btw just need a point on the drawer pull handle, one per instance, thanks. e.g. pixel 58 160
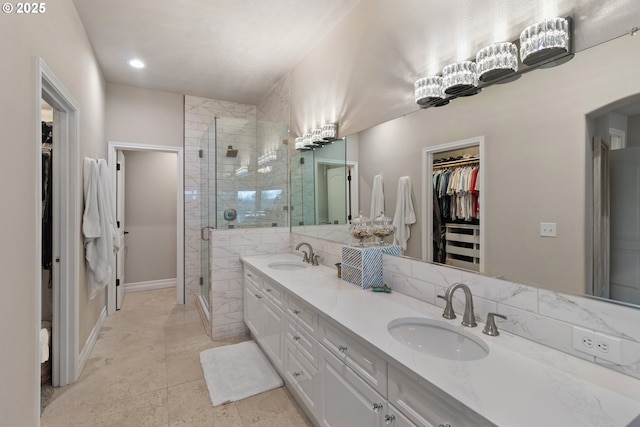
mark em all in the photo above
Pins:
pixel 258 296
pixel 296 312
pixel 297 374
pixel 444 425
pixel 250 275
pixel 296 338
pixel 389 419
pixel 268 290
pixel 342 349
pixel 377 407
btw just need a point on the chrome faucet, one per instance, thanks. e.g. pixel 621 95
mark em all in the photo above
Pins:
pixel 310 257
pixel 468 318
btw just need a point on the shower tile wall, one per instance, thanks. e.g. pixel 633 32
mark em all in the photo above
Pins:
pixel 199 114
pixel 259 133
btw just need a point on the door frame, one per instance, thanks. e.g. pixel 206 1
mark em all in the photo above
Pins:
pixel 66 238
pixel 427 193
pixel 113 147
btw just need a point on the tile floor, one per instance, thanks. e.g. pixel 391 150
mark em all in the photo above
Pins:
pixel 145 371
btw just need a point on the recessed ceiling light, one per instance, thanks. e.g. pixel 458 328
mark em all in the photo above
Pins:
pixel 136 63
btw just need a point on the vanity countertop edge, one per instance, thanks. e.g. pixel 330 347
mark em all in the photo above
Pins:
pixel 520 383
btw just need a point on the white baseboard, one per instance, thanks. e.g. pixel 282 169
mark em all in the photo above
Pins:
pixel 91 342
pixel 150 285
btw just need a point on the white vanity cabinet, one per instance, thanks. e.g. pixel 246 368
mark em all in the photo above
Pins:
pixel 341 380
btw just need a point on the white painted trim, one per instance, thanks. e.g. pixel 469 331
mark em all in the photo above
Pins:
pixel 92 339
pixel 427 194
pixel 114 146
pixel 149 285
pixel 66 226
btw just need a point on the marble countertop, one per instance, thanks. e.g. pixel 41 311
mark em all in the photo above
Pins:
pixel 520 383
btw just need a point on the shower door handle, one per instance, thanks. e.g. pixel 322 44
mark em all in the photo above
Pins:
pixel 203 232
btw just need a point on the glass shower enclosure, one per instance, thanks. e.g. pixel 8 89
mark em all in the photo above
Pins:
pixel 243 180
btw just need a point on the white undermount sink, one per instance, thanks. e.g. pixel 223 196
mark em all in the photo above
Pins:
pixel 437 338
pixel 287 265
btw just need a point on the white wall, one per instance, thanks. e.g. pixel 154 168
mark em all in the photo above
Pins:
pixel 59 38
pixel 150 215
pixel 144 116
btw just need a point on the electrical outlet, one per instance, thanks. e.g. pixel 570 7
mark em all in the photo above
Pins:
pixel 548 229
pixel 596 344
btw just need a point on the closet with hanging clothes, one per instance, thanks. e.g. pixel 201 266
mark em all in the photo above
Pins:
pixel 456 208
pixel 47 243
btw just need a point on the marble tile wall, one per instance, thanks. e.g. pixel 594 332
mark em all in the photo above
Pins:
pixel 199 116
pixel 225 248
pixel 539 315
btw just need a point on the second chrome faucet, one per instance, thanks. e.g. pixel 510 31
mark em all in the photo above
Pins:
pixel 468 318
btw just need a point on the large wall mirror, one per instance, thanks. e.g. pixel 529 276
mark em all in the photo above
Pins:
pixel 539 168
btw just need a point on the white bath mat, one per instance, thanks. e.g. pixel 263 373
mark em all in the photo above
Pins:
pixel 234 372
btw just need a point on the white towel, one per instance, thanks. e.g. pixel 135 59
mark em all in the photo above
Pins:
pixel 91 217
pixel 100 240
pixel 110 211
pixel 377 197
pixel 404 215
pixel 44 345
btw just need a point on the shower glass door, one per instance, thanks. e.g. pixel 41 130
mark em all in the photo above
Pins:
pixel 207 205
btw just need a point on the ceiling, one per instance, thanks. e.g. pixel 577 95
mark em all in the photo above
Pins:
pixel 232 50
pixel 237 50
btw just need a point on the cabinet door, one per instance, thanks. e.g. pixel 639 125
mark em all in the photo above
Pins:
pixel 253 310
pixel 346 400
pixel 303 377
pixel 273 333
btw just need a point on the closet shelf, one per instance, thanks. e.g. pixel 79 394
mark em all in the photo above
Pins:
pixel 463 162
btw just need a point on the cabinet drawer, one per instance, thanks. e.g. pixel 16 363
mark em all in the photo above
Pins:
pixel 428 406
pixel 252 276
pixel 368 365
pixel 302 375
pixel 302 340
pixel 273 291
pixel 305 315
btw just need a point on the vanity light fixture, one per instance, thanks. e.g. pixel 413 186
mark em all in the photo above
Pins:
pixel 497 61
pixel 300 144
pixel 544 40
pixel 542 45
pixel 306 140
pixel 330 132
pixel 460 78
pixel 316 136
pixel 429 92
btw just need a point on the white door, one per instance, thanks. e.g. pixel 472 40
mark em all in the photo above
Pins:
pixel 121 254
pixel 625 224
pixel 336 188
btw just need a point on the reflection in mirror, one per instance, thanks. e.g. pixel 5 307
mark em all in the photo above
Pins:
pixel 616 184
pixel 322 189
pixel 537 166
